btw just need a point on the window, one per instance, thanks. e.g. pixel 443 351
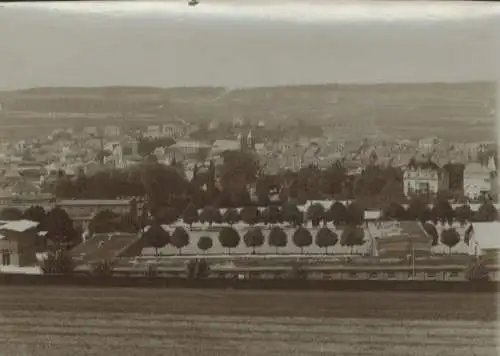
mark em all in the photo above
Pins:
pixel 353 275
pixel 373 275
pixel 453 274
pixel 431 275
pixel 5 258
pixel 391 275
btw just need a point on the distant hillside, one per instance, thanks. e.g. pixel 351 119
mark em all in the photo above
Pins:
pixel 388 106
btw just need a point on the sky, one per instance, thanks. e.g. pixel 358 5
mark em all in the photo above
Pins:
pixel 244 43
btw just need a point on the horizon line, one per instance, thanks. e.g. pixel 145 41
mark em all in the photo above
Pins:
pixel 228 87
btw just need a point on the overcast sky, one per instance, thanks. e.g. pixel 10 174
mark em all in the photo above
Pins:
pixel 236 44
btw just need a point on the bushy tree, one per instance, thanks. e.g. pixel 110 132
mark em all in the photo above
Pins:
pixel 250 215
pixel 205 243
pixel 394 211
pixel 352 236
pixel 60 229
pixel 58 262
pixel 35 213
pixel 449 238
pixel 157 237
pixel 464 213
pixel 179 239
pixel 211 215
pixel 277 238
pixel 477 271
pixel 190 215
pixel 338 213
pixel 273 215
pixel 326 238
pixel 487 212
pixel 11 214
pixel 254 238
pixel 355 214
pixel 302 238
pixel 231 216
pixel 316 213
pixel 292 214
pixel 229 238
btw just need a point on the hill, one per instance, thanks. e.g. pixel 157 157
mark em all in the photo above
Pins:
pixel 397 109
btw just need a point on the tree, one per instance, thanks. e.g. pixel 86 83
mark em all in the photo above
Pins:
pixel 431 230
pixel 464 213
pixel 35 213
pixel 105 221
pixel 355 214
pixel 316 213
pixel 352 236
pixel 443 210
pixel 250 215
pixel 302 238
pixel 179 239
pixel 254 238
pixel 277 238
pixel 292 214
pixel 229 238
pixel 166 215
pixel 326 238
pixel 210 214
pixel 205 243
pixel 418 209
pixel 487 212
pixel 450 237
pixel 231 216
pixel 58 262
pixel 273 215
pixel 11 214
pixel 477 271
pixel 394 211
pixel 60 228
pixel 338 213
pixel 190 215
pixel 157 237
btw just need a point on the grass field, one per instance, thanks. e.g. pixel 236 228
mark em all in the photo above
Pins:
pixel 77 321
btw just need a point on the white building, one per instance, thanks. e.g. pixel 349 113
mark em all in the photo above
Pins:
pixel 485 239
pixel 111 131
pixel 420 181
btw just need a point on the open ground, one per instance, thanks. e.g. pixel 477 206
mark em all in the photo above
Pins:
pixel 91 321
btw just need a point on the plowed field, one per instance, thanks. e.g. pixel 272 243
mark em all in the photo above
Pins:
pixel 84 321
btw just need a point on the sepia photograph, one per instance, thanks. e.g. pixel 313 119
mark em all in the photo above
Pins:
pixel 249 177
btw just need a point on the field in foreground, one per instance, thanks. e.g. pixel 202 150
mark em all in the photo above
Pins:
pixel 90 321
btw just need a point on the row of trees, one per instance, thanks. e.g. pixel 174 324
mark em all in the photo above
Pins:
pixel 228 185
pixel 229 238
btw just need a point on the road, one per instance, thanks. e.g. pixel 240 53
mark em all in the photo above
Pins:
pixel 91 321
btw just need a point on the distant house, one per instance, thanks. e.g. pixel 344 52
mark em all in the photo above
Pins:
pixel 19 243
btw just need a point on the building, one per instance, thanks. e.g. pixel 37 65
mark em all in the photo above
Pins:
pixel 174 130
pixel 19 242
pixel 418 181
pixel 111 131
pixel 484 239
pixel 477 181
